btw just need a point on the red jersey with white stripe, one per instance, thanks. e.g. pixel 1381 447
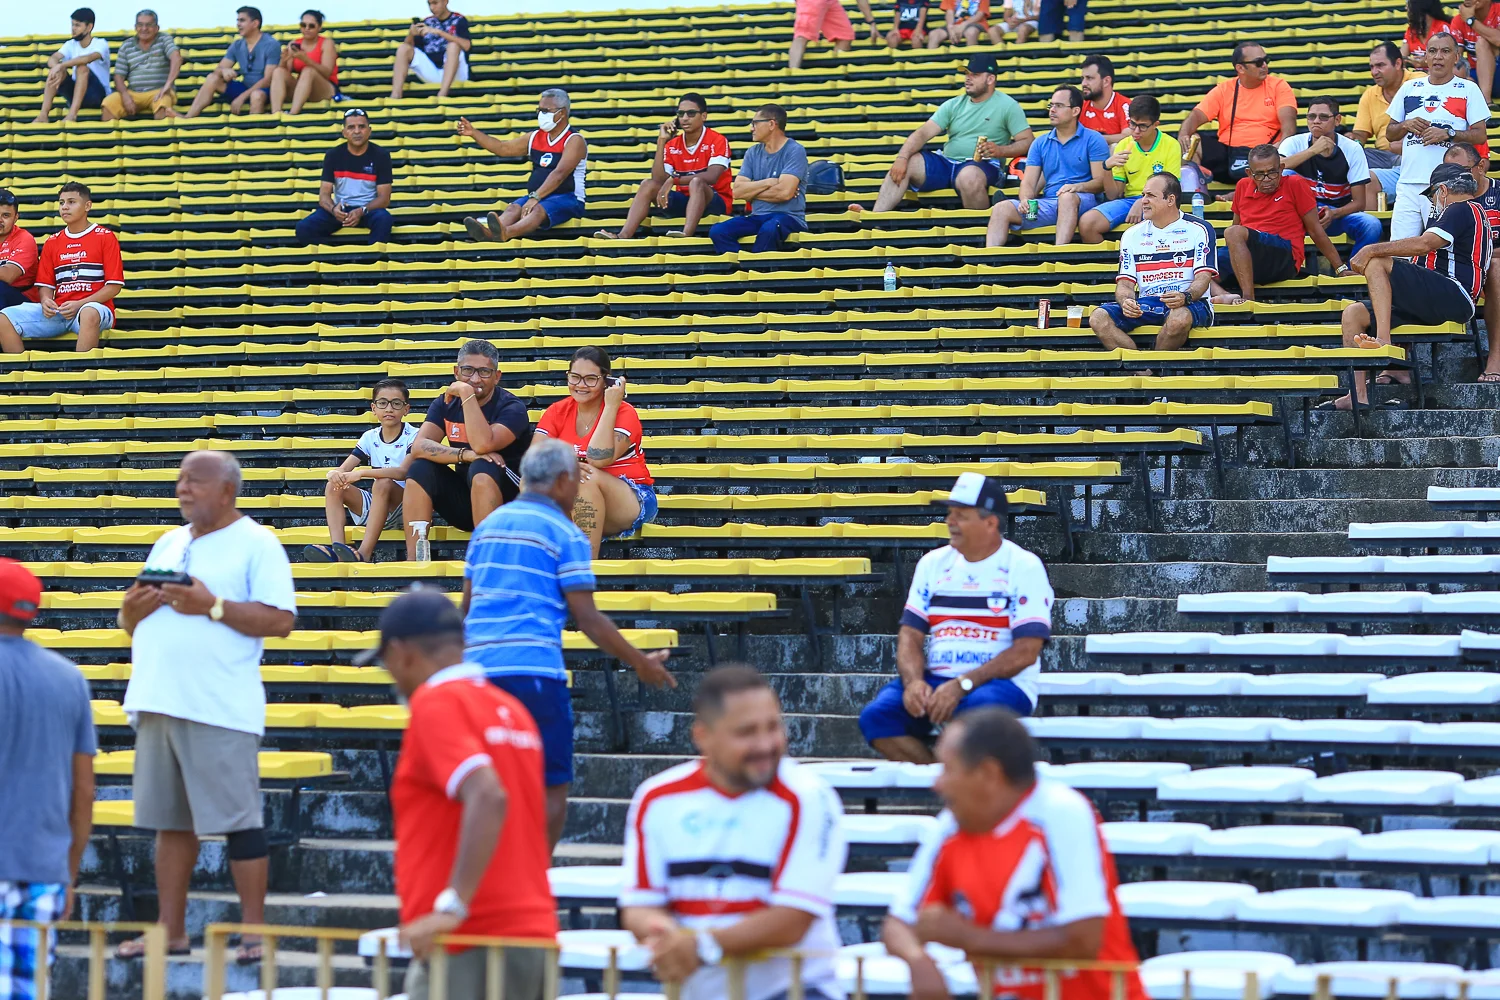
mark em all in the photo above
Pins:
pixel 76 265
pixel 19 248
pixel 1468 38
pixel 1109 120
pixel 711 858
pixel 545 153
pixel 1044 865
pixel 682 163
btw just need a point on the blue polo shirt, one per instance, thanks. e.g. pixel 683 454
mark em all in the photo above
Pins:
pixel 522 561
pixel 1066 162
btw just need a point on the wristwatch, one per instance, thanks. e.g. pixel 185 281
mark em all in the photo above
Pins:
pixel 710 951
pixel 1450 130
pixel 217 611
pixel 448 902
pixel 965 684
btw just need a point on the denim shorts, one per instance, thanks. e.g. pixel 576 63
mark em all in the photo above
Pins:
pixel 942 172
pixel 646 494
pixel 1154 311
pixel 558 208
pixel 1046 211
pixel 886 716
pixel 677 204
pixel 551 706
pixel 1116 210
pixel 29 322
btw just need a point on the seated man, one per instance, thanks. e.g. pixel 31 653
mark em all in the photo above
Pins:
pixel 355 189
pixel 772 179
pixel 1340 177
pixel 436 49
pixel 78 72
pixel 1272 214
pixel 689 177
pixel 256 54
pixel 1251 108
pixel 1146 152
pixel 1487 197
pixel 910 26
pixel 1426 280
pixel 18 255
pixel 1166 264
pixel 965 165
pixel 145 73
pixel 559 158
pixel 1065 166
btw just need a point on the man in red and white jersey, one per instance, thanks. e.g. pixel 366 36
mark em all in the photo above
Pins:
pixel 1015 869
pixel 690 177
pixel 1104 110
pixel 18 255
pixel 78 275
pixel 555 191
pixel 735 853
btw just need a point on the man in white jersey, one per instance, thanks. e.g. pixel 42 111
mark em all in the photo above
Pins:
pixel 984 605
pixel 1166 266
pixel 1428 115
pixel 735 853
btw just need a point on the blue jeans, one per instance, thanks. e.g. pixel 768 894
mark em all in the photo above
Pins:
pixel 1361 227
pixel 321 225
pixel 1049 19
pixel 770 230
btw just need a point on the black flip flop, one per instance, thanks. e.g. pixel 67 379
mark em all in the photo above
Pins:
pixel 318 554
pixel 343 553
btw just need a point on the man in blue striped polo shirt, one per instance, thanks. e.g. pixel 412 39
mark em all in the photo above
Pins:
pixel 528 567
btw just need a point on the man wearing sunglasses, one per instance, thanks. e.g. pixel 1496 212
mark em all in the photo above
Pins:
pixel 1272 216
pixel 689 177
pixel 771 179
pixel 1250 108
pixel 18 255
pixel 1340 177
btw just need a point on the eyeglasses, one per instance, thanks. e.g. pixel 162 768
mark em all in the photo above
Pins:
pixel 1140 126
pixel 587 381
pixel 469 371
pixel 548 111
pixel 694 113
pixel 389 404
pixel 1253 62
pixel 1059 104
pixel 1321 118
pixel 1262 175
pixel 311 24
pixel 760 121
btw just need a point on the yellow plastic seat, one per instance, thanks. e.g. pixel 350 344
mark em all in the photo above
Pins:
pixel 114 813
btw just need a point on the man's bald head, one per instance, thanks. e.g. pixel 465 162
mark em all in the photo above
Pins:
pixel 207 484
pixel 216 464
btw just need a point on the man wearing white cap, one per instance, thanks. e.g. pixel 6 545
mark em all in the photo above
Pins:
pixel 984 604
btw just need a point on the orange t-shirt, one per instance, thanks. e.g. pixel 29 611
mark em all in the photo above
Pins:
pixel 1254 117
pixel 561 422
pixel 968 8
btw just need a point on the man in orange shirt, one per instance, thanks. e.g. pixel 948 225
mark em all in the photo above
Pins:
pixel 1251 108
pixel 470 814
pixel 1016 868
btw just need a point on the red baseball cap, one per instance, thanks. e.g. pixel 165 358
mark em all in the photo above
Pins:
pixel 20 591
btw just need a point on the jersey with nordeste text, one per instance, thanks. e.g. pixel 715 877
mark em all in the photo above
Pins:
pixel 1167 260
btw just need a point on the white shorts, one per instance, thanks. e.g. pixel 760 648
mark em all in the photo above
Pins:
pixel 1409 214
pixel 430 72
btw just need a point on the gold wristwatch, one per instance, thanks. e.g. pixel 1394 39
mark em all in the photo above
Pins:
pixel 217 611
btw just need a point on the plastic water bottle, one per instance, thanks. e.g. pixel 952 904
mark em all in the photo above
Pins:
pixel 424 547
pixel 1198 204
pixel 890 277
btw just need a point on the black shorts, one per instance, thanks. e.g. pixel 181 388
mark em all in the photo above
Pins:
pixel 1420 297
pixel 1271 258
pixel 93 94
pixel 448 487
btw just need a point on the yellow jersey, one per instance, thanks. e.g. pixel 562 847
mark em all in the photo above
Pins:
pixel 1165 155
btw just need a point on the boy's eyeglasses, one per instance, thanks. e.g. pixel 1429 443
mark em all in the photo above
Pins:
pixel 389 404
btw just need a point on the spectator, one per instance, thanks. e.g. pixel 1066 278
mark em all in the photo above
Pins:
pixel 829 19
pixel 772 179
pixel 1104 110
pixel 1051 14
pixel 1149 151
pixel 747 810
pixel 1428 280
pixel 18 257
pixel 256 54
pixel 382 456
pixel 46 782
pixel 78 72
pixel 1065 166
pixel 968 601
pixel 1388 70
pixel 1424 18
pixel 1015 868
pixel 1428 115
pixel 468 807
pixel 487 429
pixel 964 165
pixel 1166 265
pixel 910 26
pixel 1477 28
pixel 689 177
pixel 966 19
pixel 356 187
pixel 78 275
pixel 527 570
pixel 1021 17
pixel 195 691
pixel 145 73
pixel 1251 109
pixel 1335 166
pixel 559 160
pixel 1487 197
pixel 436 49
pixel 1272 213
pixel 313 61
pixel 616 494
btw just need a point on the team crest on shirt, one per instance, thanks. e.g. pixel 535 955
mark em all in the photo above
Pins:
pixel 546 159
pixel 1157 168
pixel 998 603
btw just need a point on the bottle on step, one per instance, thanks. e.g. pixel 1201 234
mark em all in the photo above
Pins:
pixel 890 277
pixel 1198 204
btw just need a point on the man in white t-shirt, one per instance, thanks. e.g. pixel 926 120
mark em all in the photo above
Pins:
pixel 984 606
pixel 78 72
pixel 195 696
pixel 1428 115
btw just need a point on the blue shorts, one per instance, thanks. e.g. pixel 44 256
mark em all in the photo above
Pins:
pixel 1116 210
pixel 551 706
pixel 232 89
pixel 886 716
pixel 646 494
pixel 677 205
pixel 1153 311
pixel 942 172
pixel 29 322
pixel 558 208
pixel 1046 211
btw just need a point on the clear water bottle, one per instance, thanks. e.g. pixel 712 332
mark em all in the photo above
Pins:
pixel 424 547
pixel 890 277
pixel 1198 204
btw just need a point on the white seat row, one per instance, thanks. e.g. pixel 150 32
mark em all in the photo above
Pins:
pixel 1419 531
pixel 1278 645
pixel 1426 565
pixel 1317 907
pixel 1259 730
pixel 1305 843
pixel 603 883
pixel 1431 688
pixel 1463 494
pixel 1220 975
pixel 1365 604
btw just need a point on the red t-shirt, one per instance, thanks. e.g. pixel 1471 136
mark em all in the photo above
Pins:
pixel 561 422
pixel 1417 47
pixel 19 248
pixel 682 163
pixel 1468 38
pixel 1280 213
pixel 1110 121
pixel 77 265
pixel 460 722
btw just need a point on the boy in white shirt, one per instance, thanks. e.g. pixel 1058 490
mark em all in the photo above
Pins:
pixel 78 72
pixel 382 456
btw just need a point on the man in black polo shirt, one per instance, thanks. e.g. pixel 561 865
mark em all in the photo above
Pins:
pixel 1488 198
pixel 487 430
pixel 356 188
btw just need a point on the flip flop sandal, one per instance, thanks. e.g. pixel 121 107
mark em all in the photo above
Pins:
pixel 476 229
pixel 134 955
pixel 249 954
pixel 343 553
pixel 318 554
pixel 1488 377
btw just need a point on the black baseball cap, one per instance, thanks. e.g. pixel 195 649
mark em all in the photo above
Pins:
pixel 415 613
pixel 984 64
pixel 974 490
pixel 1445 173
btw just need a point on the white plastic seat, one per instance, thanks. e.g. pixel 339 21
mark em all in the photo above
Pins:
pixel 939 953
pixel 1478 792
pixel 1342 730
pixel 1454 494
pixel 1470 639
pixel 586 881
pixel 1215 975
pixel 1237 784
pixel 1456 565
pixel 594 996
pixel 1241 602
pixel 1148 643
pixel 1371 980
pixel 1393 647
pixel 1470 602
pixel 1228 730
pixel 867 888
pixel 589 949
pixel 1115 773
pixel 855 773
pixel 1084 727
pixel 1386 530
pixel 1275 644
pixel 910 775
pixel 1480 529
pixel 885 828
pixel 1395 787
pixel 369 943
pixel 1419 847
pixel 1456 734
pixel 1437 687
pixel 1182 900
pixel 1311 843
pixel 1362 604
pixel 1454 911
pixel 1324 564
pixel 1205 685
pixel 1164 839
pixel 1324 907
pixel 1063 684
pixel 308 993
pixel 1309 685
pixel 1481 985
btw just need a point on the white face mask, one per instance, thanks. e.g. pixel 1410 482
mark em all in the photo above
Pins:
pixel 546 120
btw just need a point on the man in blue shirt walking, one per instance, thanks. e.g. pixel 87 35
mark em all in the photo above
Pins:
pixel 528 567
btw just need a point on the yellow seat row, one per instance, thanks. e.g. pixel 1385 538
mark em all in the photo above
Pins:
pixel 274 764
pixel 319 641
pixel 609 600
pixel 809 568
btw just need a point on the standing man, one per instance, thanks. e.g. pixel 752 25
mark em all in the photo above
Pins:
pixel 1273 213
pixel 559 160
pixel 1252 108
pixel 471 848
pixel 983 606
pixel 1015 868
pixel 78 72
pixel 18 255
pixel 1064 174
pixel 145 73
pixel 772 178
pixel 1335 165
pixel 735 853
pixel 1149 151
pixel 356 187
pixel 1487 197
pixel 1388 70
pixel 1428 114
pixel 689 177
pixel 256 54
pixel 1104 111
pixel 47 750
pixel 436 49
pixel 829 19
pixel 527 569
pixel 964 165
pixel 195 696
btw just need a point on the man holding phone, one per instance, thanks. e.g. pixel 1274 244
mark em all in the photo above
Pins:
pixel 689 177
pixel 356 188
pixel 436 49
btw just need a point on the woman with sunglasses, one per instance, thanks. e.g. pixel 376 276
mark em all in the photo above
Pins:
pixel 615 493
pixel 312 60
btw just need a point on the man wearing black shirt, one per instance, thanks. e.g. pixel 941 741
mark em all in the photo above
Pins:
pixel 1488 198
pixel 487 430
pixel 356 187
pixel 911 24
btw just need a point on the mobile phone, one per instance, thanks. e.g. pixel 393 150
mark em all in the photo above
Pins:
pixel 157 577
pixel 416 20
pixel 616 379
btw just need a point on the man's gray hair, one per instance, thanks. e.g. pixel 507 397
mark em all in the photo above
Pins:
pixel 545 460
pixel 483 348
pixel 1462 184
pixel 229 466
pixel 148 12
pixel 557 94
